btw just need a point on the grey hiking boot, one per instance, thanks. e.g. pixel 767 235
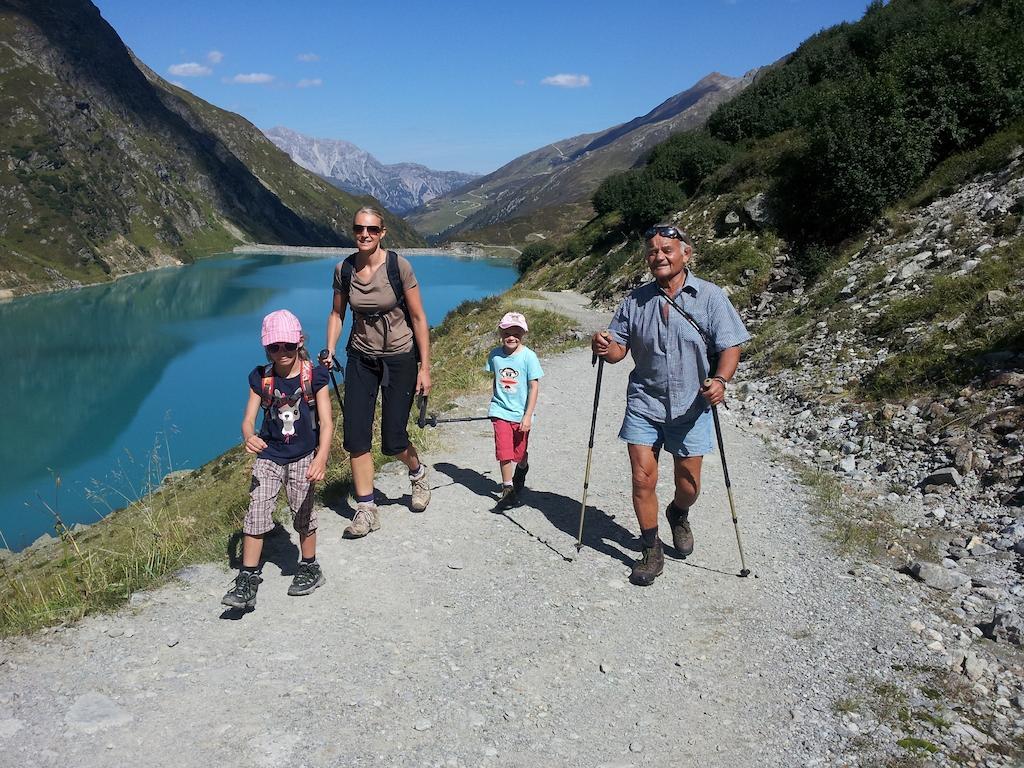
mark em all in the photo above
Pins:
pixel 420 491
pixel 682 536
pixel 306 579
pixel 519 477
pixel 508 499
pixel 366 519
pixel 649 566
pixel 243 594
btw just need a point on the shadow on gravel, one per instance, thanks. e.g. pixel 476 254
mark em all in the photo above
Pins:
pixel 599 530
pixel 278 548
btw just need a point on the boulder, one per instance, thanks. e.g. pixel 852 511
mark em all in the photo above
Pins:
pixel 937 577
pixel 944 476
pixel 757 211
pixel 1006 627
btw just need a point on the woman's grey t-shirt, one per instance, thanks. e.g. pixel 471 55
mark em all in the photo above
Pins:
pixel 388 334
pixel 670 356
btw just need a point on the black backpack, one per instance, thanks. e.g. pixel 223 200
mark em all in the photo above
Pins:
pixel 394 278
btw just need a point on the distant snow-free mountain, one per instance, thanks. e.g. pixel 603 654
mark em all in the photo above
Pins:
pixel 401 186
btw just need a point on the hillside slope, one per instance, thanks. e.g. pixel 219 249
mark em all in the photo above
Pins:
pixel 106 169
pixel 567 172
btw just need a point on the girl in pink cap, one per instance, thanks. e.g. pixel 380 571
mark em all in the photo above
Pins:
pixel 291 450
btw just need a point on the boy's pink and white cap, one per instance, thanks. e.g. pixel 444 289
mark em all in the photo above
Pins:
pixel 513 320
pixel 281 325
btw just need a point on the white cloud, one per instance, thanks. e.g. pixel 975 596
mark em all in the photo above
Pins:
pixel 308 57
pixel 252 78
pixel 567 81
pixel 215 57
pixel 315 82
pixel 189 69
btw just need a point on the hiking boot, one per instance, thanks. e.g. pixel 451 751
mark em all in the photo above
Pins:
pixel 366 519
pixel 519 477
pixel 508 499
pixel 306 579
pixel 243 594
pixel 420 491
pixel 649 566
pixel 682 536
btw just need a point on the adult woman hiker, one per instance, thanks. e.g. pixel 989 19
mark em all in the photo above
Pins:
pixel 388 351
pixel 666 402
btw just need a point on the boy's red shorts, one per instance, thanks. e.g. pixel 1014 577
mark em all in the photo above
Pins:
pixel 509 441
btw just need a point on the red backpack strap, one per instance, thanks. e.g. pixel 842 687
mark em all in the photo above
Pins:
pixel 306 383
pixel 267 386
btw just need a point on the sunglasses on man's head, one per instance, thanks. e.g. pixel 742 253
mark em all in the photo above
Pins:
pixel 277 347
pixel 673 232
pixel 372 229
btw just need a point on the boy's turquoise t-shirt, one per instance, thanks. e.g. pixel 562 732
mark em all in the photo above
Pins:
pixel 512 375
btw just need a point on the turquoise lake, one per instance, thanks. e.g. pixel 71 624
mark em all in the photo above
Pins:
pixel 111 387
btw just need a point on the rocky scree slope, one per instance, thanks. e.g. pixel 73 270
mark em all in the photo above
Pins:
pixel 896 380
pixel 106 169
pixel 399 186
pixel 567 172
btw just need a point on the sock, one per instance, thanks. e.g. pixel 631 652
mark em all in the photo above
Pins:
pixel 308 560
pixel 506 485
pixel 648 536
pixel 249 568
pixel 417 474
pixel 365 499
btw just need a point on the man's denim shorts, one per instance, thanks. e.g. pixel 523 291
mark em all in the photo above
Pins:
pixel 687 435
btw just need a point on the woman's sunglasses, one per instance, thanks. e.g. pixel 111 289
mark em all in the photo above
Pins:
pixel 286 346
pixel 370 229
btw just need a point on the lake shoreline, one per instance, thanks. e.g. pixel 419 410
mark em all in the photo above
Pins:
pixel 461 250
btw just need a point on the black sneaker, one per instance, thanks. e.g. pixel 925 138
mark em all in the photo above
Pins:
pixel 507 500
pixel 306 579
pixel 243 595
pixel 519 477
pixel 649 566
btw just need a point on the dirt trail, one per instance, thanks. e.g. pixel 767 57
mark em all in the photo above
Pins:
pixel 461 637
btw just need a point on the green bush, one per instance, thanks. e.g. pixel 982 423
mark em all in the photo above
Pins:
pixel 639 197
pixel 689 158
pixel 533 254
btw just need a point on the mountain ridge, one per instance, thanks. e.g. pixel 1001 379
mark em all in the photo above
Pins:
pixel 107 169
pixel 565 173
pixel 401 187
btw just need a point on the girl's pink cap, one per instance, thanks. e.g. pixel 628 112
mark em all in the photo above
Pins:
pixel 281 325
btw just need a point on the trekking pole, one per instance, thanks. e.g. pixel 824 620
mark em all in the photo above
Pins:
pixel 744 571
pixel 332 366
pixel 590 447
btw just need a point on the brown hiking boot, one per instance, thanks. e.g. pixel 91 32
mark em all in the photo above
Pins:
pixel 366 519
pixel 682 536
pixel 649 566
pixel 420 491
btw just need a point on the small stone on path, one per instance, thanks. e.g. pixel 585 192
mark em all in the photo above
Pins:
pixel 422 725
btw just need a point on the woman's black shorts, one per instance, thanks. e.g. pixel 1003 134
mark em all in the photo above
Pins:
pixel 364 376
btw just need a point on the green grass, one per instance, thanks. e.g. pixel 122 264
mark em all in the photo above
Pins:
pixel 941 359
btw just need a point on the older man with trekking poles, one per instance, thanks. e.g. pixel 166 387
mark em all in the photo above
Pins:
pixel 684 335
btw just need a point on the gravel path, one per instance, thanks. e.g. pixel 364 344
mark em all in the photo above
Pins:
pixel 461 637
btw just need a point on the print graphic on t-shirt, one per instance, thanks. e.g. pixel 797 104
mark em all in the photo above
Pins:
pixel 287 411
pixel 509 379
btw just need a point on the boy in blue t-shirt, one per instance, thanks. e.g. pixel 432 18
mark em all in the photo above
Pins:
pixel 517 374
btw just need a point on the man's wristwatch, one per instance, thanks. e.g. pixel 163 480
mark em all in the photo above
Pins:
pixel 721 379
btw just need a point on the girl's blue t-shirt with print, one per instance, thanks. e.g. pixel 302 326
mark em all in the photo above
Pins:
pixel 512 376
pixel 288 427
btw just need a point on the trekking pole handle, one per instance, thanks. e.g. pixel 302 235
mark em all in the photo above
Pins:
pixel 421 421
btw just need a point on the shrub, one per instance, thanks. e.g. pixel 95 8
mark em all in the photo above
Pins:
pixel 689 158
pixel 640 198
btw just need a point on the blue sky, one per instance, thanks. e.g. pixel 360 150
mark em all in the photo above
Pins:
pixel 459 85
